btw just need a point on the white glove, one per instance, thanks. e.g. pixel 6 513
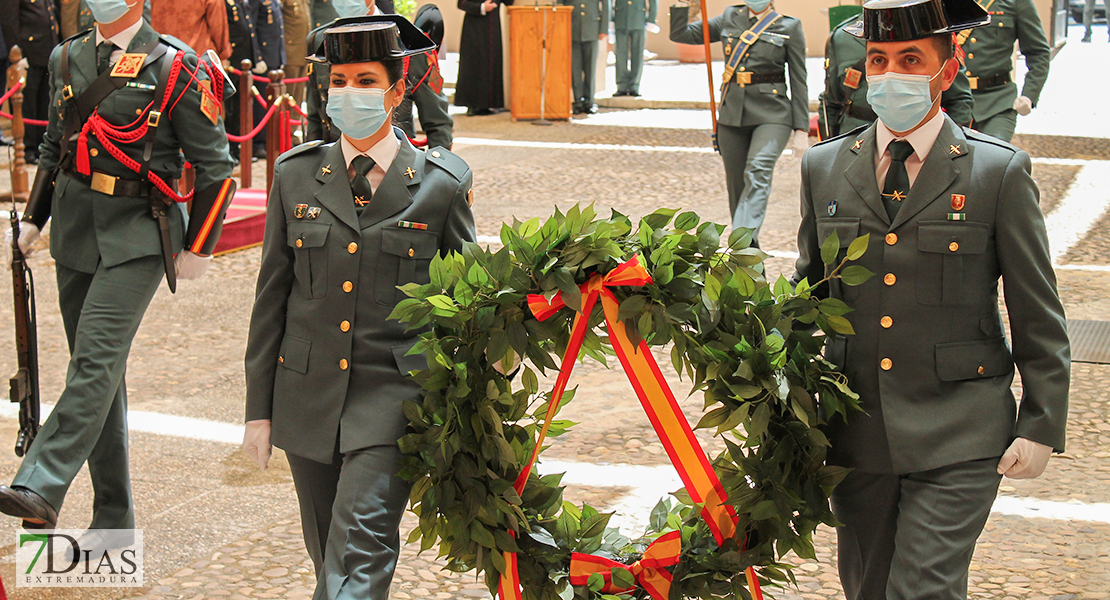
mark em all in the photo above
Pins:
pixel 651 28
pixel 260 67
pixel 256 442
pixel 28 234
pixel 1025 459
pixel 1023 105
pixel 800 142
pixel 189 265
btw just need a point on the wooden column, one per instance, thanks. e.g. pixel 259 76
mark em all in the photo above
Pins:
pixel 246 121
pixel 274 93
pixel 17 74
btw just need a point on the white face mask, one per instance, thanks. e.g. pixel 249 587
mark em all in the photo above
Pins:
pixel 108 11
pixel 902 101
pixel 358 112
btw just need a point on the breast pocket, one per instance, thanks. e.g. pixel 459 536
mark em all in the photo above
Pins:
pixel 770 51
pixel 405 257
pixel 945 249
pixel 124 105
pixel 846 229
pixel 310 268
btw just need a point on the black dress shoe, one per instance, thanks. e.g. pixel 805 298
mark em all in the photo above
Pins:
pixel 578 110
pixel 590 109
pixel 27 505
pixel 619 93
pixel 634 94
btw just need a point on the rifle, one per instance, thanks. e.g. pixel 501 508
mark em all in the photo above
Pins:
pixel 24 385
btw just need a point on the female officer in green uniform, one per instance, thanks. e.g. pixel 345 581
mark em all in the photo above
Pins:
pixel 756 114
pixel 346 224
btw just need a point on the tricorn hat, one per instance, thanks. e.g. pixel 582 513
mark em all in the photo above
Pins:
pixel 429 20
pixel 905 20
pixel 371 39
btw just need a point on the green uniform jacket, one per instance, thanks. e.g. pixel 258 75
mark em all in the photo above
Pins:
pixel 989 50
pixel 88 226
pixel 782 45
pixel 313 379
pixel 589 20
pixel 944 397
pixel 845 51
pixel 432 104
pixel 633 15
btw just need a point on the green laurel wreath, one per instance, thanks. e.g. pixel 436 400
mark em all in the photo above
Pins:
pixel 752 348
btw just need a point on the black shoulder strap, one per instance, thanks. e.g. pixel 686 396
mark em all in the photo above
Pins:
pixel 106 84
pixel 154 117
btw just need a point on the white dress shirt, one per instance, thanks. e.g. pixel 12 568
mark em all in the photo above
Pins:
pixel 122 39
pixel 382 154
pixel 922 140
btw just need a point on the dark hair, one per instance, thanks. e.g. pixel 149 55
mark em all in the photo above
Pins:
pixel 945 46
pixel 394 69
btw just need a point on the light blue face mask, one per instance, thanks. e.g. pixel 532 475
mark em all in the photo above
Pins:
pixel 758 6
pixel 358 112
pixel 350 8
pixel 107 11
pixel 901 101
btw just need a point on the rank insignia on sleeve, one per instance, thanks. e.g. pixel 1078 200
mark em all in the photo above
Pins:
pixel 128 65
pixel 958 201
pixel 313 213
pixel 832 208
pixel 208 105
pixel 470 197
pixel 852 77
pixel 300 210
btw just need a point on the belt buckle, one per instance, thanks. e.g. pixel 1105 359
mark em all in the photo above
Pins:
pixel 973 82
pixel 105 184
pixel 748 37
pixel 744 78
pixel 153 117
pixel 67 93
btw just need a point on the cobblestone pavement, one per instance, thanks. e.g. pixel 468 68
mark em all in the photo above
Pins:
pixel 216 527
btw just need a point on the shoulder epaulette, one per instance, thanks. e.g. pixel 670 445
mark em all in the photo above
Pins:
pixel 990 139
pixel 300 149
pixel 176 43
pixel 856 131
pixel 448 161
pixel 77 36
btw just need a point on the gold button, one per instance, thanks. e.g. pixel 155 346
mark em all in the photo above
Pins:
pixel 1001 24
pixel 412 252
pixel 891 239
pixel 348 286
pixel 435 154
pixel 774 91
pixel 890 279
pixel 345 326
pixel 981 370
pixel 886 322
pixel 968 73
pixel 139 111
pixel 352 247
pixel 300 243
pixel 887 364
pixel 953 246
pixel 281 359
pixel 94 152
pixel 973 40
pixel 970 55
pixel 343 364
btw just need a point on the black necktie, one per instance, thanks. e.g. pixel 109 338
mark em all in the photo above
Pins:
pixel 360 186
pixel 104 54
pixel 897 185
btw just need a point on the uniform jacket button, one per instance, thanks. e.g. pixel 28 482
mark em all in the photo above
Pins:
pixel 300 243
pixel 981 370
pixel 343 364
pixel 887 364
pixel 345 326
pixel 352 248
pixel 891 239
pixel 886 322
pixel 281 360
pixel 890 279
pixel 953 246
pixel 412 252
pixel 348 286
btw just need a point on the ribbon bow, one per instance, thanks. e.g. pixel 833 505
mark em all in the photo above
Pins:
pixel 649 571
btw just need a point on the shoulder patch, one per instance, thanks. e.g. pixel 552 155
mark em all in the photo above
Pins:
pixel 176 43
pixel 972 134
pixel 852 133
pixel 300 149
pixel 448 161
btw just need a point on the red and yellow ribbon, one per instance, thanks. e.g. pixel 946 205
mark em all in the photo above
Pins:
pixel 656 397
pixel 649 571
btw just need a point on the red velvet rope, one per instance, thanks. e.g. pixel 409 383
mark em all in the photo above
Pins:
pixel 265 79
pixel 26 121
pixel 242 138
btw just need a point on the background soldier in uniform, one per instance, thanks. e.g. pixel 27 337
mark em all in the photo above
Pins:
pixel 110 252
pixel 843 104
pixel 989 51
pixel 630 18
pixel 589 23
pixel 244 46
pixel 327 372
pixel 949 211
pixel 33 26
pixel 756 116
pixel 296 15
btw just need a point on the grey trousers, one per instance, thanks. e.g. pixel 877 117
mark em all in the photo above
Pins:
pixel 1088 16
pixel 630 60
pixel 101 312
pixel 583 57
pixel 911 537
pixel 350 514
pixel 750 154
pixel 1000 126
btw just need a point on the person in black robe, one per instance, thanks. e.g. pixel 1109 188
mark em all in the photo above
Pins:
pixel 480 85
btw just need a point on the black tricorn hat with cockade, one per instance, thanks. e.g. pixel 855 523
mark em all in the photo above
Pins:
pixel 371 39
pixel 905 20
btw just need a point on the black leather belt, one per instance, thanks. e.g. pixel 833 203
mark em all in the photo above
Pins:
pixel 749 78
pixel 982 84
pixel 111 185
pixel 862 112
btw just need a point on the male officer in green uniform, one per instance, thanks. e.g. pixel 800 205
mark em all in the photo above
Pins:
pixel 115 230
pixel 630 19
pixel 948 211
pixel 843 104
pixel 589 23
pixel 327 370
pixel 989 51
pixel 425 86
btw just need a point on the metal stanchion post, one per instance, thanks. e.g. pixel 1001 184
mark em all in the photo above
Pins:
pixel 274 92
pixel 17 74
pixel 246 122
